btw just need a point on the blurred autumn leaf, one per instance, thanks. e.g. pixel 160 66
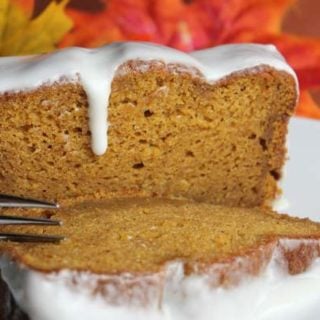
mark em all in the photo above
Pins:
pixel 20 34
pixel 183 24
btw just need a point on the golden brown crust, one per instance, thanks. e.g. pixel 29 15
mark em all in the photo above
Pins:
pixel 300 257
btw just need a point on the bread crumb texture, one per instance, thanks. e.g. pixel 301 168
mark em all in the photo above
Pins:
pixel 142 235
pixel 170 134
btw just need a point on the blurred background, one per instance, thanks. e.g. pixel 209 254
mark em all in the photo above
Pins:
pixel 39 26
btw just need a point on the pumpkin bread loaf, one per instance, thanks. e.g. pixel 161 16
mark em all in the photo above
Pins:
pixel 143 199
pixel 172 133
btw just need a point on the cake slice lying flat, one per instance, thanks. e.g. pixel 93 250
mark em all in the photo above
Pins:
pixel 142 257
pixel 143 120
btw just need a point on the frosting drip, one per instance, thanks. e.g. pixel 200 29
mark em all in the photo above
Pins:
pixel 96 68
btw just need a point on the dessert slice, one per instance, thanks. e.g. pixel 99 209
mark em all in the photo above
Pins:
pixel 136 119
pixel 142 257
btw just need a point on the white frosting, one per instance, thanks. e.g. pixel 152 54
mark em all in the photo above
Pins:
pixel 273 295
pixel 95 69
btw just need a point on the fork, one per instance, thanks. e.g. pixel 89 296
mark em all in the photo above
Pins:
pixel 8 201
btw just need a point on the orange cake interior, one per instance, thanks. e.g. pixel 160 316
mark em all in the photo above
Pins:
pixel 171 134
pixel 142 235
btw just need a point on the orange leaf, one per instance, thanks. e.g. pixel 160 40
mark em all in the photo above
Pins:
pixel 307 106
pixel 186 25
pixel 121 20
pixel 26 5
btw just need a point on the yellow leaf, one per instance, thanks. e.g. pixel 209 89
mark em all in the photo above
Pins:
pixel 22 35
pixel 4 6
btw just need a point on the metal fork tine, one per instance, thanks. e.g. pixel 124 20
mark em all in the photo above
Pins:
pixel 18 237
pixel 14 220
pixel 7 201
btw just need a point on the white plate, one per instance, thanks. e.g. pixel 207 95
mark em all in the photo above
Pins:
pixel 301 184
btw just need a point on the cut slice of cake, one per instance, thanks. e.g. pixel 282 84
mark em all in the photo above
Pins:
pixel 208 126
pixel 158 258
